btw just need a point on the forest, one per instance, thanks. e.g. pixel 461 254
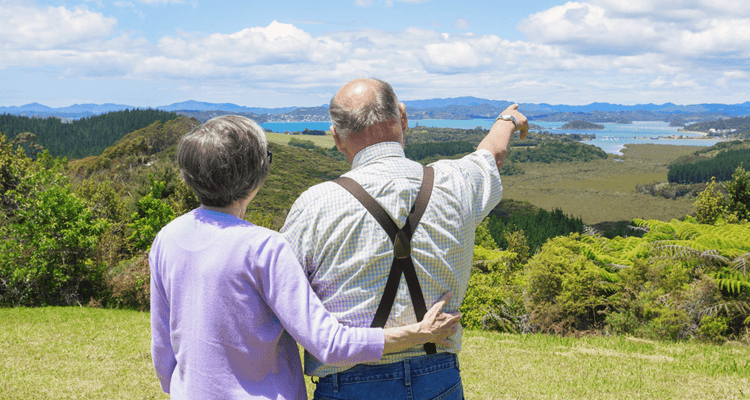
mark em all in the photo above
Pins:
pixel 721 167
pixel 76 232
pixel 79 138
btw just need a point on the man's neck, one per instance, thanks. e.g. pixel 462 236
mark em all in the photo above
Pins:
pixel 386 131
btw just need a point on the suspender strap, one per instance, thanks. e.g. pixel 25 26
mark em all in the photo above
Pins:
pixel 401 239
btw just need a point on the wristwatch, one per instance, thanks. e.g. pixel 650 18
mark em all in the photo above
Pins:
pixel 508 117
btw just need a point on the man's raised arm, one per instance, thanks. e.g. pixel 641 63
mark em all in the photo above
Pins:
pixel 498 140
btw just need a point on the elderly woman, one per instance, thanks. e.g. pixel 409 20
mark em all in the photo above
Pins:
pixel 229 299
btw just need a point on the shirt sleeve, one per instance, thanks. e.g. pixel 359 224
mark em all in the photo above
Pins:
pixel 161 346
pixel 480 171
pixel 288 293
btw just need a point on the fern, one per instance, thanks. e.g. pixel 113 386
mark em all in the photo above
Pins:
pixel 741 306
pixel 732 281
pixel 741 263
pixel 664 252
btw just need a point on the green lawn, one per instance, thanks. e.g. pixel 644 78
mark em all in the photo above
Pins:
pixel 85 353
pixel 325 141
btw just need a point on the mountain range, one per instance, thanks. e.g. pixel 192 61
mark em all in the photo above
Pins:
pixel 460 107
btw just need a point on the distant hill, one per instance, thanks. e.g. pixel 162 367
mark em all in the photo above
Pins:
pixel 192 105
pixel 455 101
pixel 466 107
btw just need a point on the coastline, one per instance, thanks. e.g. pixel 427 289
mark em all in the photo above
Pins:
pixel 700 133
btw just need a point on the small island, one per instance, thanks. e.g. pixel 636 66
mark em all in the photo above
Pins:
pixel 581 125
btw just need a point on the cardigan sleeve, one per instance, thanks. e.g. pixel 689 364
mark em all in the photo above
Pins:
pixel 284 287
pixel 161 346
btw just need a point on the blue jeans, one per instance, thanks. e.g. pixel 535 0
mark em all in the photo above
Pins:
pixel 432 377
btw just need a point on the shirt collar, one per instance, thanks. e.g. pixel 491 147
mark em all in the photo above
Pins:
pixel 380 150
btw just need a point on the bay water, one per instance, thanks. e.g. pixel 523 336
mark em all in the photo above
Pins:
pixel 611 139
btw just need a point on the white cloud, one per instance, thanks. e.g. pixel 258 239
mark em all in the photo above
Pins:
pixel 578 52
pixel 363 3
pixel 680 28
pixel 680 81
pixel 461 23
pixel 46 28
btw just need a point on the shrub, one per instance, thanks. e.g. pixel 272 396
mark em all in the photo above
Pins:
pixel 738 194
pixel 493 298
pixel 669 324
pixel 49 238
pixel 153 213
pixel 564 291
pixel 129 284
pixel 509 169
pixel 713 329
pixel 709 206
pixel 305 144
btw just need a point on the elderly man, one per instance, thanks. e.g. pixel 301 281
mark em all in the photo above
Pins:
pixel 390 216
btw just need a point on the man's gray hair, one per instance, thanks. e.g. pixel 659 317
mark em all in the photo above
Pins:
pixel 383 108
pixel 224 159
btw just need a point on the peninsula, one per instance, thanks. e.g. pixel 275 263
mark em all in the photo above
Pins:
pixel 581 125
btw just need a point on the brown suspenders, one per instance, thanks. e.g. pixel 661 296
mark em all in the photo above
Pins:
pixel 401 239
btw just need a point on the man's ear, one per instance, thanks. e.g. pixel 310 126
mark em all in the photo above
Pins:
pixel 404 118
pixel 337 140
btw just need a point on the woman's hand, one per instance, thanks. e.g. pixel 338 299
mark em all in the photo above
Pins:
pixel 438 325
pixel 434 328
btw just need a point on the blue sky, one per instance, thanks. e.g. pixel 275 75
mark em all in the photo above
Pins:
pixel 298 53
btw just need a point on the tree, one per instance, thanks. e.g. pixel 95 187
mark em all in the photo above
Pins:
pixel 738 194
pixel 27 140
pixel 709 206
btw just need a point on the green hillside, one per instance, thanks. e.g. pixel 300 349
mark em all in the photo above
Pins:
pixel 739 127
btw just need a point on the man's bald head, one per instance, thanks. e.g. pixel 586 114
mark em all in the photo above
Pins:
pixel 362 103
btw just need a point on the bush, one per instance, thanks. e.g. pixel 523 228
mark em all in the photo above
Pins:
pixel 129 284
pixel 305 144
pixel 738 194
pixel 49 238
pixel 153 213
pixel 713 328
pixel 564 291
pixel 710 204
pixel 493 298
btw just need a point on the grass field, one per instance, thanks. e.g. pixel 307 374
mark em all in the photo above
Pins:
pixel 603 190
pixel 85 353
pixel 319 140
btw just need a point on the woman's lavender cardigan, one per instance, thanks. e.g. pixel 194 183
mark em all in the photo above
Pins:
pixel 228 301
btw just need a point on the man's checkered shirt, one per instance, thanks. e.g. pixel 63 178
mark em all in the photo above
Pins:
pixel 347 255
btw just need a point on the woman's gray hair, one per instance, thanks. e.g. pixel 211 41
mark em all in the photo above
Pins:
pixel 224 160
pixel 383 108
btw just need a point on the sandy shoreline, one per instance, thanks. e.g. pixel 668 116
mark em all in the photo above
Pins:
pixel 700 133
